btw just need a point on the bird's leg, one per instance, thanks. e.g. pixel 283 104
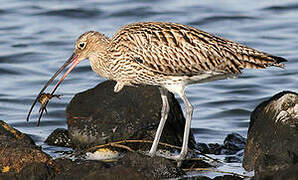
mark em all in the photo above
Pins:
pixel 119 85
pixel 189 111
pixel 164 115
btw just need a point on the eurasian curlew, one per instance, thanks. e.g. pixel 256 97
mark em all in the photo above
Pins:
pixel 167 55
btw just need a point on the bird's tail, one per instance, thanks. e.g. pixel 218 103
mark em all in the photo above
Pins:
pixel 262 61
pixel 240 57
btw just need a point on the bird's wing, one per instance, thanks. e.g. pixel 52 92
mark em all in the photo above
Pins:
pixel 175 49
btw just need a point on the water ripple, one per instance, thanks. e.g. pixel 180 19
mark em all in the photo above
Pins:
pixel 215 19
pixel 73 13
pixel 139 12
pixel 14 57
pixel 288 7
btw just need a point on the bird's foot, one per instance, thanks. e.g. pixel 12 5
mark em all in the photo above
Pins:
pixel 178 158
pixel 151 153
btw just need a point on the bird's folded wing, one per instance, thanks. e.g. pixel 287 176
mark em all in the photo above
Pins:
pixel 176 50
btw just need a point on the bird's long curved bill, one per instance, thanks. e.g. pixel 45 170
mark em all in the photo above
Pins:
pixel 74 60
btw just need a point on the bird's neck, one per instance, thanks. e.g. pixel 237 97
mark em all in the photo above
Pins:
pixel 100 64
pixel 98 56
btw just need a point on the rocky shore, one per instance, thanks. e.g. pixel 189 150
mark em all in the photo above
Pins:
pixel 123 125
pixel 272 143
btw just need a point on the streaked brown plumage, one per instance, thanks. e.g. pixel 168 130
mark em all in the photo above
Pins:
pixel 152 51
pixel 174 49
pixel 167 55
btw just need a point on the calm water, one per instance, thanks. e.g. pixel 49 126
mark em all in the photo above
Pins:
pixel 36 37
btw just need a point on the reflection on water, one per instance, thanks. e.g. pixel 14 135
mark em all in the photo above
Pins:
pixel 36 37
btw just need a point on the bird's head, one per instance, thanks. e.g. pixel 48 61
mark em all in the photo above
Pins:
pixel 88 43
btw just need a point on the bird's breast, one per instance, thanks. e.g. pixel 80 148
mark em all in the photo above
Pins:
pixel 99 66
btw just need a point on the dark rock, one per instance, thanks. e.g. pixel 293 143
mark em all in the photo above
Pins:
pixel 8 133
pixel 203 148
pixel 211 148
pixel 59 137
pixel 235 158
pixel 36 171
pixel 26 161
pixel 272 135
pixel 5 176
pixel 154 167
pixel 233 143
pixel 195 163
pixel 132 166
pixel 227 177
pixel 68 169
pixel 198 178
pixel 99 115
pixel 17 150
pixel 290 173
pixel 215 148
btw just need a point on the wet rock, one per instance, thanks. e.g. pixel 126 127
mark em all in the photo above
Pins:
pixel 8 133
pixel 272 136
pixel 195 163
pixel 203 148
pixel 211 148
pixel 199 178
pixel 95 170
pixel 99 115
pixel 37 171
pixel 17 151
pixel 215 148
pixel 155 167
pixel 68 169
pixel 235 157
pixel 227 177
pixel 59 137
pixel 290 173
pixel 131 166
pixel 233 143
pixel 32 163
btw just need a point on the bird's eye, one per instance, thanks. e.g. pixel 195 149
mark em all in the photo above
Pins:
pixel 82 45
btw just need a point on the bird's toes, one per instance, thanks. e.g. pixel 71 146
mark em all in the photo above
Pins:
pixel 151 154
pixel 177 157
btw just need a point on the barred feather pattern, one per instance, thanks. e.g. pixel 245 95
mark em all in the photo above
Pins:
pixel 152 52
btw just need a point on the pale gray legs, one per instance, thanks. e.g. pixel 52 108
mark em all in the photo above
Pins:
pixel 188 111
pixel 164 114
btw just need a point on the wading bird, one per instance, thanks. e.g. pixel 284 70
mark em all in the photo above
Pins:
pixel 167 55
